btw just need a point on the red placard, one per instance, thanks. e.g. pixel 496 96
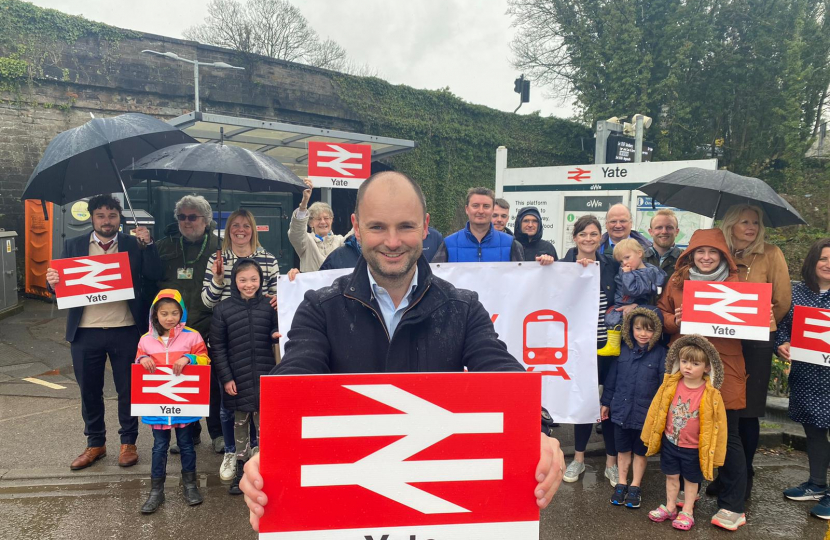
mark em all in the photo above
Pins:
pixel 99 279
pixel 430 455
pixel 339 165
pixel 810 335
pixel 734 310
pixel 163 394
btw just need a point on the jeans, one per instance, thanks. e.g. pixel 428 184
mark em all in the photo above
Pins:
pixel 818 454
pixel 161 443
pixel 90 350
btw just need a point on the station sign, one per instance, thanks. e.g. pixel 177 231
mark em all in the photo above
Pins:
pixel 338 165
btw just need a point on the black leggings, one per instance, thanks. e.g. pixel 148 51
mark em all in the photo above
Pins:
pixel 732 474
pixel 582 432
pixel 818 453
pixel 750 431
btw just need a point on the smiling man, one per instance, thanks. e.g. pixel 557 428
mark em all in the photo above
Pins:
pixel 663 230
pixel 618 222
pixel 479 241
pixel 382 318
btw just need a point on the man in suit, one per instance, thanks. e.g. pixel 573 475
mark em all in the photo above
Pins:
pixel 111 330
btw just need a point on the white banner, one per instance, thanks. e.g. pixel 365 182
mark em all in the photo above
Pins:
pixel 547 316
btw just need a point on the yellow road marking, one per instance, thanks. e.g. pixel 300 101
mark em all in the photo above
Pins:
pixel 53 386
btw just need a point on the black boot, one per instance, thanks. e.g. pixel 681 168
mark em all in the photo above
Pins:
pixel 190 488
pixel 156 496
pixel 234 489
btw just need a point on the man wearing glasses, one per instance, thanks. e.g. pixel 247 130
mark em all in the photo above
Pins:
pixel 184 254
pixel 618 227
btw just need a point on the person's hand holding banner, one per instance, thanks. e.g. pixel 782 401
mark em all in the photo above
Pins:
pixel 147 363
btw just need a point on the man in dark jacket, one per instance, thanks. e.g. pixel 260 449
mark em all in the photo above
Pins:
pixel 501 215
pixel 385 316
pixel 618 223
pixel 663 253
pixel 184 254
pixel 112 330
pixel 529 229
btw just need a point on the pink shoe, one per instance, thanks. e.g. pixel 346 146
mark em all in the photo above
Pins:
pixel 683 522
pixel 661 513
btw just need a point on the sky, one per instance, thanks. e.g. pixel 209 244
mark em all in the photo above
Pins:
pixel 431 44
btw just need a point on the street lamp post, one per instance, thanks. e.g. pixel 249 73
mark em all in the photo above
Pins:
pixel 196 65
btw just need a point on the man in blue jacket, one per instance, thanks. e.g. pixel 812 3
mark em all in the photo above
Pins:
pixel 384 317
pixel 479 241
pixel 111 330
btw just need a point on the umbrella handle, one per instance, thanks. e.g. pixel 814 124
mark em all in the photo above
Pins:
pixel 717 206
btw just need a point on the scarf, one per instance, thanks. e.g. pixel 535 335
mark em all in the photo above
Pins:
pixel 720 273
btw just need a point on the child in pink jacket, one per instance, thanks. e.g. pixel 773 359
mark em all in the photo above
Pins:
pixel 169 342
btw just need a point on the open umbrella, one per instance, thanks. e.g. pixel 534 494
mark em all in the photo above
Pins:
pixel 216 166
pixel 711 193
pixel 87 160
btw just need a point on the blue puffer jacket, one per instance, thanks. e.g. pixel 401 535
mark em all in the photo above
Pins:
pixel 636 375
pixel 463 246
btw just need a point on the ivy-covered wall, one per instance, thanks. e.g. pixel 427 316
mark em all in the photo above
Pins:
pixel 457 141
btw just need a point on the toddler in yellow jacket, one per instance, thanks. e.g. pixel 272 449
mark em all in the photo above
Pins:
pixel 686 423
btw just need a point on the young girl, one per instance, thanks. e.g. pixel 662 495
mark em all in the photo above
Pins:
pixel 170 342
pixel 242 333
pixel 637 281
pixel 686 423
pixel 628 391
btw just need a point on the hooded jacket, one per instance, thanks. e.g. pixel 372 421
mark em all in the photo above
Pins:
pixel 172 258
pixel 730 351
pixel 634 378
pixel 712 413
pixel 241 343
pixel 533 245
pixel 181 341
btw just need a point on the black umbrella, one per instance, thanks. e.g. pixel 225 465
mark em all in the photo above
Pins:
pixel 87 160
pixel 216 166
pixel 711 193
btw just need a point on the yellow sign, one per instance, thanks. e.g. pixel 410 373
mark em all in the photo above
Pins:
pixel 80 211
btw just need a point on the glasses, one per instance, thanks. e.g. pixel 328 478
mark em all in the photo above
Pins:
pixel 188 217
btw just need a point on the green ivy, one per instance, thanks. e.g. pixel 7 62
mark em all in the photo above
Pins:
pixel 457 141
pixel 22 19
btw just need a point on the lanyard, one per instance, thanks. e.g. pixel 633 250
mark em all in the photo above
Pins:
pixel 202 250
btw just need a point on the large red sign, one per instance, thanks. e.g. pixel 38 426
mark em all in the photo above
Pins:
pixel 85 281
pixel 162 393
pixel 810 335
pixel 424 455
pixel 731 310
pixel 339 165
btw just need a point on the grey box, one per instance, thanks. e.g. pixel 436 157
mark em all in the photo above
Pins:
pixel 8 266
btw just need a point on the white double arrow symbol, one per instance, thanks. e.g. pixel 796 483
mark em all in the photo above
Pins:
pixel 727 297
pixel 341 155
pixel 170 389
pixel 92 277
pixel 385 472
pixel 823 336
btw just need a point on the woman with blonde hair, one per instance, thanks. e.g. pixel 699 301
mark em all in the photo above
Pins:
pixel 758 262
pixel 313 247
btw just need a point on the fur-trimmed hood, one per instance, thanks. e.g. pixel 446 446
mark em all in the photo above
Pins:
pixel 673 357
pixel 628 332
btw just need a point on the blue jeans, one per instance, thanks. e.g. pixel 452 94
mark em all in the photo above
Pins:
pixel 226 416
pixel 161 443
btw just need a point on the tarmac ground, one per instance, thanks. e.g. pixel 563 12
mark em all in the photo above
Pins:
pixel 41 431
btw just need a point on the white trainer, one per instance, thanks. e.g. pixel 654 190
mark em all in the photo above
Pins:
pixel 227 471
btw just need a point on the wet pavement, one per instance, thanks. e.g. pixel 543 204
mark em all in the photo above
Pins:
pixel 41 431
